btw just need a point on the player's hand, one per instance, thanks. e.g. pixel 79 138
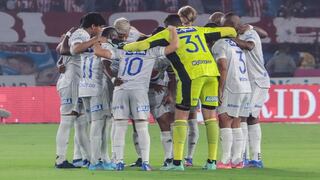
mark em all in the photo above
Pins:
pixel 157 88
pixel 167 100
pixel 243 28
pixel 62 68
pixel 117 81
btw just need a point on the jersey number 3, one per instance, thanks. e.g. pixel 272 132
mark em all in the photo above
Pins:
pixel 129 64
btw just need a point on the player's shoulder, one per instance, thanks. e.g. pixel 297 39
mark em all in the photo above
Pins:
pixel 221 43
pixel 249 34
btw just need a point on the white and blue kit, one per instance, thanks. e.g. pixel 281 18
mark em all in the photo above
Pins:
pixel 236 92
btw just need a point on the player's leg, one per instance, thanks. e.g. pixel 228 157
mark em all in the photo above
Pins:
pixel 192 138
pixel 68 116
pixel 82 138
pixel 226 138
pixel 105 142
pixel 258 97
pixel 209 100
pixel 120 106
pixel 81 126
pixel 165 121
pixel 237 145
pixel 245 147
pixel 165 117
pixel 95 105
pixel 135 140
pixel 140 110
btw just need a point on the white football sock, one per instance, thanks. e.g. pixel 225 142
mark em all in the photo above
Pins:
pixel 226 144
pixel 81 126
pixel 255 141
pixel 120 129
pixel 166 140
pixel 113 153
pixel 244 127
pixel 96 140
pixel 144 139
pixel 62 138
pixel 237 145
pixel 193 137
pixel 76 149
pixel 136 143
pixel 106 140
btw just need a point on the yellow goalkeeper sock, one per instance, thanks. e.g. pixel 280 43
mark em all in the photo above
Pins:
pixel 212 138
pixel 179 138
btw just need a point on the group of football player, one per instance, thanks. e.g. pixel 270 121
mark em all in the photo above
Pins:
pixel 110 75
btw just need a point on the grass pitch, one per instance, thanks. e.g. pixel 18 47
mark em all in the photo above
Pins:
pixel 290 151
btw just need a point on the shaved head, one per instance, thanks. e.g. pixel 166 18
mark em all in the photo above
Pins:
pixel 216 18
pixel 231 20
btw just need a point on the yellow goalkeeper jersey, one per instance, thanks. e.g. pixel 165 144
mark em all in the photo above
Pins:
pixel 193 58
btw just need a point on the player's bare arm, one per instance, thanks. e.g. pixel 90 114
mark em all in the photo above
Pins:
pixel 247 45
pixel 174 41
pixel 261 32
pixel 78 48
pixel 223 69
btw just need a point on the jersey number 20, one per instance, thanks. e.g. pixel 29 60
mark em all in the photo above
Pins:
pixel 128 66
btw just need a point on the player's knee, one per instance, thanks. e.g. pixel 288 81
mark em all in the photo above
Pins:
pixel 252 120
pixel 183 107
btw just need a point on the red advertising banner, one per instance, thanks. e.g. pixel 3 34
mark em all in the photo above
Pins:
pixel 286 103
pixel 292 103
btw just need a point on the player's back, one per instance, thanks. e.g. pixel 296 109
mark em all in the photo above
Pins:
pixel 237 80
pixel 255 61
pixel 71 74
pixel 193 58
pixel 135 68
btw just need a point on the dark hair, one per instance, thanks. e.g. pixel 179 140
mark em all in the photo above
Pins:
pixel 211 25
pixel 173 20
pixel 110 33
pixel 92 18
pixel 158 29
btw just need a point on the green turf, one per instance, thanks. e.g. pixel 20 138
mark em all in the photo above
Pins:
pixel 290 151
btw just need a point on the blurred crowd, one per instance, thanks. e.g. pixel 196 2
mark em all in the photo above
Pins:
pixel 260 8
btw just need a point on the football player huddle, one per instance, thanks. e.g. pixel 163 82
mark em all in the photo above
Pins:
pixel 110 75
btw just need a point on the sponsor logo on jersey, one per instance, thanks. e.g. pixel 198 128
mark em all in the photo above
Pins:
pixel 66 101
pixel 96 108
pixel 141 53
pixel 118 107
pixel 185 30
pixel 257 106
pixel 233 105
pixel 198 62
pixel 86 85
pixel 145 108
pixel 211 99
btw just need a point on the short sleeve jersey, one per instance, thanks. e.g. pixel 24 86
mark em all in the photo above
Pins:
pixel 135 67
pixel 255 62
pixel 193 58
pixel 71 74
pixel 237 80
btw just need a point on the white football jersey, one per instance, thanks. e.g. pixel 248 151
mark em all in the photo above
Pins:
pixel 237 80
pixel 255 62
pixel 161 78
pixel 135 67
pixel 114 62
pixel 71 74
pixel 134 35
pixel 91 67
